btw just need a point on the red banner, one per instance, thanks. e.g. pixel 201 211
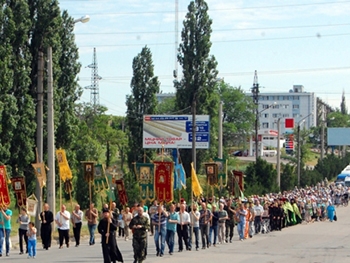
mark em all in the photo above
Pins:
pixel 163 182
pixel 19 187
pixel 4 191
pixel 123 198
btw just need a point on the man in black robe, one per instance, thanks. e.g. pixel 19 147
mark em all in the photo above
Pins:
pixel 46 218
pixel 110 249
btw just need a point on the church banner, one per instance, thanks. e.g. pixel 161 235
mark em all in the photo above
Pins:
pixel 89 171
pixel 64 169
pixel 211 170
pixel 222 171
pixel 163 182
pixel 40 173
pixel 19 187
pixel 123 198
pixel 4 191
pixel 100 179
pixel 145 177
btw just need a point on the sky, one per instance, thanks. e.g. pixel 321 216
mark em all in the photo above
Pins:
pixel 295 42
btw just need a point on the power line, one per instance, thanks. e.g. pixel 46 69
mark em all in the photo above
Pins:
pixel 210 10
pixel 222 41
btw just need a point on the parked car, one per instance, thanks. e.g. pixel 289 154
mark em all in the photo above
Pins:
pixel 237 153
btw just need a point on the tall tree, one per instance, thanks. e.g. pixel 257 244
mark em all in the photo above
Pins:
pixel 343 108
pixel 22 143
pixel 199 80
pixel 238 114
pixel 144 87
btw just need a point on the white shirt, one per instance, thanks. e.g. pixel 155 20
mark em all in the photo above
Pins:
pixel 258 210
pixel 65 222
pixel 184 218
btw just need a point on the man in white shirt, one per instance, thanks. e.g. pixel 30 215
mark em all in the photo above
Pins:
pixel 182 227
pixel 62 221
pixel 77 217
pixel 258 210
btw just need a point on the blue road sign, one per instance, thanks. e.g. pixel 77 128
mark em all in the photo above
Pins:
pixel 200 137
pixel 201 126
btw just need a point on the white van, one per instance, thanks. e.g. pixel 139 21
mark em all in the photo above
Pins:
pixel 347 181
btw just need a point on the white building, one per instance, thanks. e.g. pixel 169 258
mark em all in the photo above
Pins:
pixel 296 104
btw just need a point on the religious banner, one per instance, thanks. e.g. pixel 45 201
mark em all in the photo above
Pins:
pixel 123 198
pixel 100 178
pixel 222 171
pixel 145 177
pixel 179 177
pixel 40 173
pixel 19 187
pixel 32 205
pixel 89 171
pixel 211 170
pixel 64 169
pixel 163 181
pixel 111 183
pixel 237 183
pixel 4 191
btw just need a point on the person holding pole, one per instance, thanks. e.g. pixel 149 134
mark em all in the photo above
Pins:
pixel 91 216
pixel 182 227
pixel 23 221
pixel 46 218
pixel 160 221
pixel 62 221
pixel 5 229
pixel 107 228
pixel 77 217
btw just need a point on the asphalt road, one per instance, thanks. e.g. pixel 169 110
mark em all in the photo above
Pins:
pixel 312 243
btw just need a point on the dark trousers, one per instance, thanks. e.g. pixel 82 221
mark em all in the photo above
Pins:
pixel 46 232
pixel 182 234
pixel 76 232
pixel 22 233
pixel 120 231
pixel 229 227
pixel 63 234
pixel 205 235
pixel 257 224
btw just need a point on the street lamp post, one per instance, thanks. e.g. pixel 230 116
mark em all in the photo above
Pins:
pixel 278 163
pixel 299 148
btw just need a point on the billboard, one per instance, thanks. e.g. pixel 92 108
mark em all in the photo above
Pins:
pixel 338 136
pixel 175 131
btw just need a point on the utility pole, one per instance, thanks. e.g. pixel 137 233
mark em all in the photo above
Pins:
pixel 255 90
pixel 299 152
pixel 39 129
pixel 322 133
pixel 194 157
pixel 51 175
pixel 278 165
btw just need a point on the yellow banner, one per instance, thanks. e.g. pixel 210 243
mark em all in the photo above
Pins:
pixel 196 187
pixel 65 172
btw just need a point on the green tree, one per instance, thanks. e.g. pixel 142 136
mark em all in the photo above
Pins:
pixel 261 178
pixel 144 87
pixel 343 108
pixel 22 142
pixel 199 81
pixel 238 114
pixel 288 177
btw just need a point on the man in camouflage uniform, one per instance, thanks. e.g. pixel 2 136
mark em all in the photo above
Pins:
pixel 230 222
pixel 139 225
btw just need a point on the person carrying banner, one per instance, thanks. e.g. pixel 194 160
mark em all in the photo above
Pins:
pixel 46 218
pixel 160 221
pixel 62 221
pixel 107 228
pixel 77 218
pixel 5 229
pixel 23 221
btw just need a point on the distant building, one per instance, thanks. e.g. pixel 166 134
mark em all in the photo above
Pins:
pixel 163 96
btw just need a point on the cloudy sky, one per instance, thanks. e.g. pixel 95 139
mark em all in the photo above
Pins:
pixel 296 42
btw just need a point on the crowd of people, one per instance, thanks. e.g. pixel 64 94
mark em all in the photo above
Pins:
pixel 204 223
